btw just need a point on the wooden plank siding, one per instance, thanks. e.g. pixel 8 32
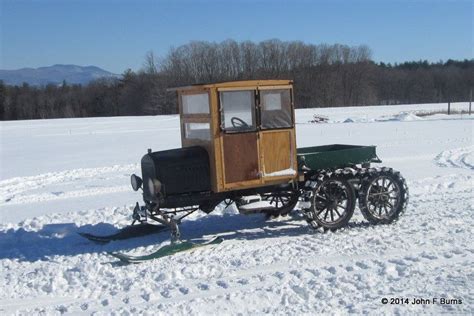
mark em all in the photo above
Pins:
pixel 239 161
pixel 276 150
pixel 240 157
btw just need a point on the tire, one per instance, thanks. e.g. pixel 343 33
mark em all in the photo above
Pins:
pixel 383 196
pixel 284 202
pixel 332 201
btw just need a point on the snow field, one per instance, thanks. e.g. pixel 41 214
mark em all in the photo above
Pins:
pixel 277 267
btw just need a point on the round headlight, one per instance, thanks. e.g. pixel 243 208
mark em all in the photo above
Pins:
pixel 136 182
pixel 154 186
pixel 151 187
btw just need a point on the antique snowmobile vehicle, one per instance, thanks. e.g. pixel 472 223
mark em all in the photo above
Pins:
pixel 239 146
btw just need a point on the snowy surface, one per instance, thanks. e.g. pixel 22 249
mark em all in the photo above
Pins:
pixel 286 172
pixel 62 176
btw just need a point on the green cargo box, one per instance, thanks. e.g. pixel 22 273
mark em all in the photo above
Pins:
pixel 335 156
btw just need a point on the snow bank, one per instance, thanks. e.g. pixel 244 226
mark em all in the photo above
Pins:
pixel 363 114
pixel 401 117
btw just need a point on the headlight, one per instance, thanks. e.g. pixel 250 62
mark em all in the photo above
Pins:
pixel 136 182
pixel 154 186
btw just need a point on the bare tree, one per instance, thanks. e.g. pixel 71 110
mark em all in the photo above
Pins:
pixel 150 64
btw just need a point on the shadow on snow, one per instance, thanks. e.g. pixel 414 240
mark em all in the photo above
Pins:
pixel 63 239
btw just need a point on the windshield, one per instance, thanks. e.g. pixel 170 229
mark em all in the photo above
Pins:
pixel 275 109
pixel 238 111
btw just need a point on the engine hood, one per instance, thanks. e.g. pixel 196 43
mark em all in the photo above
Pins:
pixel 179 171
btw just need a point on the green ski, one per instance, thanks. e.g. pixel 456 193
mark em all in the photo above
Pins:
pixel 126 232
pixel 166 250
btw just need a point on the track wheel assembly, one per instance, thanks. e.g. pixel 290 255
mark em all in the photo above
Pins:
pixel 383 196
pixel 332 202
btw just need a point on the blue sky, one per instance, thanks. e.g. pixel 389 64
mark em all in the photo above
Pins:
pixel 116 35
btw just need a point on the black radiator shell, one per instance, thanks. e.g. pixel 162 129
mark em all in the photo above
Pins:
pixel 181 170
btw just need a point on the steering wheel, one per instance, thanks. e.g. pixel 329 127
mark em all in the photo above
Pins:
pixel 238 122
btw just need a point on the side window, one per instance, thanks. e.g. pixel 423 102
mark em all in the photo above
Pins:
pixel 238 111
pixel 197 131
pixel 195 103
pixel 275 109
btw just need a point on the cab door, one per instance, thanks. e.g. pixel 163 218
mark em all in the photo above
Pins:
pixel 277 143
pixel 239 145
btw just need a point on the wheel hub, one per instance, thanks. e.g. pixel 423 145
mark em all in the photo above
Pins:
pixel 333 203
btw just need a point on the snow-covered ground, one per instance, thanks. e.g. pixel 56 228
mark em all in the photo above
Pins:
pixel 62 176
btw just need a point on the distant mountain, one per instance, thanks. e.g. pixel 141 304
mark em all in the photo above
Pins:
pixel 55 74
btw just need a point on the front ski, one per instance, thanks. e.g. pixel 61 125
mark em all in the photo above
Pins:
pixel 126 232
pixel 165 250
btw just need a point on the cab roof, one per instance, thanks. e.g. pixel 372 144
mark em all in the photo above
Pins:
pixel 234 84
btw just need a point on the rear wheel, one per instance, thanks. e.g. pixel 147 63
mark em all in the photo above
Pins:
pixel 332 202
pixel 283 202
pixel 383 196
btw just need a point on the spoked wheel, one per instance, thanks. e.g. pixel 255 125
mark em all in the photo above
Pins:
pixel 332 203
pixel 283 202
pixel 383 196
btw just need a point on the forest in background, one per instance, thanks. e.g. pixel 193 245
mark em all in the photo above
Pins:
pixel 324 76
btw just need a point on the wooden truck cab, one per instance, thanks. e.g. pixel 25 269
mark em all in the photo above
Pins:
pixel 247 128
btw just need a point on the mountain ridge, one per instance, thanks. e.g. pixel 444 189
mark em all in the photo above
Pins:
pixel 55 74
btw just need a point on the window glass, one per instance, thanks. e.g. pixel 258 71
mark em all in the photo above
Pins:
pixel 195 103
pixel 271 101
pixel 197 131
pixel 275 109
pixel 238 111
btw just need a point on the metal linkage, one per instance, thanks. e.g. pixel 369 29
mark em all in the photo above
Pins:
pixel 168 219
pixel 140 214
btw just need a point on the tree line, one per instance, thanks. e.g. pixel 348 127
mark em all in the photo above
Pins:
pixel 324 75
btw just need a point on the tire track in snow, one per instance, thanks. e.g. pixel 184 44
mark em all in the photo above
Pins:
pixel 15 190
pixel 433 187
pixel 458 158
pixel 64 195
pixel 286 277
